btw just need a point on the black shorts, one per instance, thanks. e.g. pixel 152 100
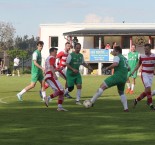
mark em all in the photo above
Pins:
pixel 16 67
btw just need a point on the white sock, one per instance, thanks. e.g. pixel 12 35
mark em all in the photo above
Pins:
pixel 128 85
pixel 43 94
pixel 78 95
pixel 59 105
pixel 22 92
pixel 153 93
pixel 96 95
pixel 132 87
pixel 66 91
pixel 124 101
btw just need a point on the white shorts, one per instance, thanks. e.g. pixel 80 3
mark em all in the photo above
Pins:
pixel 54 84
pixel 147 79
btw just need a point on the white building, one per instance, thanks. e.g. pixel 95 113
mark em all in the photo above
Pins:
pixel 93 36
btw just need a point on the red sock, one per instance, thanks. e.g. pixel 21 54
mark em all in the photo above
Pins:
pixel 149 97
pixel 141 96
pixel 54 94
pixel 46 86
pixel 60 101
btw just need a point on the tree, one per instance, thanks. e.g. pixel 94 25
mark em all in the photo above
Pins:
pixel 7 32
pixel 26 43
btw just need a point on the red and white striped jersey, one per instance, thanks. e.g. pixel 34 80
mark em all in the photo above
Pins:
pixel 147 62
pixel 62 56
pixel 50 61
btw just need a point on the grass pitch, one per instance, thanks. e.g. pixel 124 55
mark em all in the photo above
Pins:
pixel 31 123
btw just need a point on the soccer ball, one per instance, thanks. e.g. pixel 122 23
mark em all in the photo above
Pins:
pixel 87 103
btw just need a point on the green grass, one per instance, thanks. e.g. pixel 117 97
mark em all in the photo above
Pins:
pixel 31 123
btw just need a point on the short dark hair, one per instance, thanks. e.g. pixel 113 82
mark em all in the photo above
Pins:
pixel 52 49
pixel 118 49
pixel 77 44
pixel 148 45
pixel 40 42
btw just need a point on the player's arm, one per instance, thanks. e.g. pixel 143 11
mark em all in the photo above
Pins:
pixel 86 65
pixel 114 64
pixel 137 67
pixel 68 66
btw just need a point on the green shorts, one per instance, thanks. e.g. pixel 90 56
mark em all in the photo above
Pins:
pixel 73 79
pixel 115 80
pixel 36 77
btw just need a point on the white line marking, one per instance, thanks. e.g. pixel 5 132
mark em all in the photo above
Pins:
pixel 4 102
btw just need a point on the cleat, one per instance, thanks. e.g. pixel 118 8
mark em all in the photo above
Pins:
pixel 46 99
pixel 134 103
pixel 68 96
pixel 131 92
pixel 152 107
pixel 126 110
pixel 78 103
pixel 40 93
pixel 61 109
pixel 19 97
pixel 128 91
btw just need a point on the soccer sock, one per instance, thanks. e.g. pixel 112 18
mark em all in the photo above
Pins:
pixel 132 87
pixel 46 86
pixel 54 94
pixel 153 93
pixel 22 92
pixel 78 95
pixel 149 98
pixel 59 105
pixel 43 94
pixel 66 91
pixel 60 102
pixel 128 85
pixel 141 96
pixel 96 95
pixel 124 101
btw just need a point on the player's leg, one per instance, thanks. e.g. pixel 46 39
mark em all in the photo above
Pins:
pixel 63 76
pixel 108 82
pixel 70 83
pixel 34 79
pixel 128 83
pixel 121 87
pixel 56 87
pixel 78 82
pixel 133 82
pixel 13 72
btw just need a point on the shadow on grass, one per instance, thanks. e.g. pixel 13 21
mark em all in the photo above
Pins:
pixel 31 123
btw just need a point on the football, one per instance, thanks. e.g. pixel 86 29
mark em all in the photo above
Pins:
pixel 87 103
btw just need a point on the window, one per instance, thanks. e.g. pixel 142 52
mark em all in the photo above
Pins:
pixel 53 41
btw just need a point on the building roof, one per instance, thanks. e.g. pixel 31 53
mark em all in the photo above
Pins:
pixel 111 32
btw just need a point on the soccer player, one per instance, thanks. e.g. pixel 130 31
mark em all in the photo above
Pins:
pixel 147 61
pixel 36 71
pixel 61 65
pixel 16 66
pixel 133 57
pixel 52 80
pixel 121 67
pixel 74 60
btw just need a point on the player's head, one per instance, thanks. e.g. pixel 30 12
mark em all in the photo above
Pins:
pixel 133 48
pixel 147 48
pixel 77 47
pixel 117 50
pixel 40 45
pixel 67 46
pixel 53 51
